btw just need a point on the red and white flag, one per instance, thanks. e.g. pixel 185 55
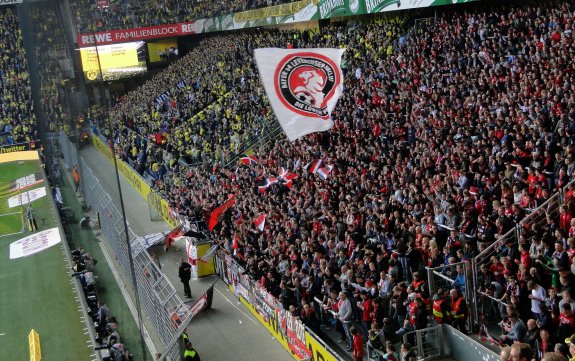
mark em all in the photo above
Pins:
pixel 266 184
pixel 303 86
pixel 313 167
pixel 286 176
pixel 249 160
pixel 323 172
pixel 260 222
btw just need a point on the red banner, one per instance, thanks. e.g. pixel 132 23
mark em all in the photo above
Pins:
pixel 218 213
pixel 102 3
pixel 127 35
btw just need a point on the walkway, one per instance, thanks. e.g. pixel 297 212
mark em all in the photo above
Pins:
pixel 226 332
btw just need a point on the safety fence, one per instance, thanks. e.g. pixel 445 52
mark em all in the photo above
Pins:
pixel 485 302
pixel 143 187
pixel 289 331
pixel 162 307
pixel 457 275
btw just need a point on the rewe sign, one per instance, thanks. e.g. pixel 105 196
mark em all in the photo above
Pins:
pixel 127 35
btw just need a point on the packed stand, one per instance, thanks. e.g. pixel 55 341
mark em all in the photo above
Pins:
pixel 125 14
pixel 50 46
pixel 440 146
pixel 17 120
pixel 183 111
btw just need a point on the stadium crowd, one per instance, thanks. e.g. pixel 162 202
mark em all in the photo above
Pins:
pixel 441 144
pixel 50 47
pixel 17 120
pixel 124 14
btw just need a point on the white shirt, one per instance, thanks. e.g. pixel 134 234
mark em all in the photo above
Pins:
pixel 540 294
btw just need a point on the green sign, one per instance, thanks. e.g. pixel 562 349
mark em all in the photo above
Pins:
pixel 335 8
pixel 306 10
pixel 375 6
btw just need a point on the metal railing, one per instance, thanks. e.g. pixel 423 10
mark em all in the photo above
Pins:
pixel 446 277
pixel 269 132
pixel 550 208
pixel 164 310
pixel 536 218
pixel 427 342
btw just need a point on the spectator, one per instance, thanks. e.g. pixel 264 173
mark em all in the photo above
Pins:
pixel 516 329
pixel 520 352
pixel 357 351
pixel 543 344
pixel 345 316
pixel 426 139
pixel 407 354
pixel 17 119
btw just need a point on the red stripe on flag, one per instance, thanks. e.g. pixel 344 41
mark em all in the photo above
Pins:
pixel 218 213
pixel 260 221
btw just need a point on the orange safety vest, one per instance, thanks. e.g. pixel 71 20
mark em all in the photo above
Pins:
pixel 455 309
pixel 438 315
pixel 416 284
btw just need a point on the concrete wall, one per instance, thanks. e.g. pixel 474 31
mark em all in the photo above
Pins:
pixel 461 347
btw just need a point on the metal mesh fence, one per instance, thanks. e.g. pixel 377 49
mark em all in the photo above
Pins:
pixel 161 306
pixel 457 275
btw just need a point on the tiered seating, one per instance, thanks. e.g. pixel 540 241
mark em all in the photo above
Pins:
pixel 123 14
pixel 440 146
pixel 50 48
pixel 17 120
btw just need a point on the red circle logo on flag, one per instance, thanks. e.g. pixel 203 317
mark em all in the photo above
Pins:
pixel 305 82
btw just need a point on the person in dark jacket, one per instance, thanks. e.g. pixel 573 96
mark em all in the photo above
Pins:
pixel 286 296
pixel 543 344
pixel 185 274
pixel 420 315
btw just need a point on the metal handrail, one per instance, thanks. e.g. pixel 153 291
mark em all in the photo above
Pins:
pixel 493 298
pixel 498 242
pixel 558 197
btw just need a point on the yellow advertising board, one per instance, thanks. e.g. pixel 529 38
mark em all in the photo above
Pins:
pixel 273 329
pixel 273 11
pixel 319 353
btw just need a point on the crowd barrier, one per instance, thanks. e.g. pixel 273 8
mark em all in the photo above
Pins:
pixel 154 200
pixel 290 332
pixel 481 301
pixel 164 310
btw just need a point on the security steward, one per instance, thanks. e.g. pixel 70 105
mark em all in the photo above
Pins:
pixel 441 309
pixel 185 337
pixel 458 310
pixel 190 354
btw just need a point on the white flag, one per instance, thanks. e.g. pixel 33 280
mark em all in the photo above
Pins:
pixel 303 86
